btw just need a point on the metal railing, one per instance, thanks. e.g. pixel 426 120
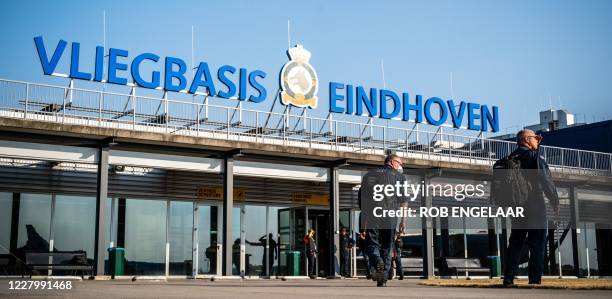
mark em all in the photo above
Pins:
pixel 162 115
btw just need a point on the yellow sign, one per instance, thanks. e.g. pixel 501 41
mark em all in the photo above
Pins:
pixel 216 193
pixel 310 198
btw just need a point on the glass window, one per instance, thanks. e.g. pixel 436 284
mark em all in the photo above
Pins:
pixel 456 237
pixel 110 238
pixel 145 237
pixel 74 224
pixel 6 210
pixel 34 222
pixel 273 229
pixel 588 257
pixel 477 237
pixel 237 245
pixel 255 239
pixel 180 235
pixel 207 239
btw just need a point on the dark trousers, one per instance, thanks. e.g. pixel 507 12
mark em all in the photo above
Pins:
pixel 536 240
pixel 345 266
pixel 366 262
pixel 312 264
pixel 398 266
pixel 378 248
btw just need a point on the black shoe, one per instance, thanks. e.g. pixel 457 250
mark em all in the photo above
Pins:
pixel 401 278
pixel 508 284
pixel 368 277
pixel 380 273
pixel 381 283
pixel 313 277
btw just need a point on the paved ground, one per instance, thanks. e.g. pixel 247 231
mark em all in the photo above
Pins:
pixel 269 289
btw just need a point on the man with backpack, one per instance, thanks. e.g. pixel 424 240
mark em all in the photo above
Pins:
pixel 380 232
pixel 528 179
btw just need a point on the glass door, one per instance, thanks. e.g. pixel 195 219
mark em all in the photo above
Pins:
pixel 207 239
pixel 291 231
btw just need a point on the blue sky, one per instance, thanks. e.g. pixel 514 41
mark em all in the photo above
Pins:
pixel 522 56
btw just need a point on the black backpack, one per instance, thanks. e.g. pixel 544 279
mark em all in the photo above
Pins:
pixel 509 187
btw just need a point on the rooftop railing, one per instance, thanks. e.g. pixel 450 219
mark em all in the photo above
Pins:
pixel 78 106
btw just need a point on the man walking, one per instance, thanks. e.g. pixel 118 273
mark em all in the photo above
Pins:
pixel 380 233
pixel 531 228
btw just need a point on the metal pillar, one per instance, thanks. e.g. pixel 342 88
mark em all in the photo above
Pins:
pixel 575 219
pixel 101 197
pixel 228 205
pixel 428 254
pixel 334 229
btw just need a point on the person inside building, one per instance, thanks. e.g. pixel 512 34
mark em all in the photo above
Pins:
pixel 346 244
pixel 311 253
pixel 531 228
pixel 269 256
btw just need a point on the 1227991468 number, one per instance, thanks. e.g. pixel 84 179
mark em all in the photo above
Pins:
pixel 40 285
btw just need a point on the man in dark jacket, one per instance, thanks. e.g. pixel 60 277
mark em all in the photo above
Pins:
pixel 531 228
pixel 380 232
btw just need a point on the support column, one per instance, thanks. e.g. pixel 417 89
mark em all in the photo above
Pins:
pixel 101 197
pixel 428 254
pixel 228 205
pixel 334 224
pixel 575 219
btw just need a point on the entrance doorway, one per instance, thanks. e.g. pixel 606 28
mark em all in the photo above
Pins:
pixel 293 223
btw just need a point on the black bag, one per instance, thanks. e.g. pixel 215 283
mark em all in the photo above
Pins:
pixel 510 187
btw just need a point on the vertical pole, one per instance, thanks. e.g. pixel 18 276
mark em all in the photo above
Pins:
pixel 51 240
pixel 575 219
pixel 206 108
pixel 101 196
pixel 219 237
pixel 197 107
pixel 167 239
pixel 334 229
pixel 134 108
pixel 428 254
pixel 100 97
pixel 195 241
pixel 354 248
pixel 112 220
pixel 167 113
pixel 269 258
pixel 27 100
pixel 242 243
pixel 228 204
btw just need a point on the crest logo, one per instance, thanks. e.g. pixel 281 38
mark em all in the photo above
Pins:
pixel 299 80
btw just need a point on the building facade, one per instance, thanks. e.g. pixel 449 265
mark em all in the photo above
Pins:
pixel 197 190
